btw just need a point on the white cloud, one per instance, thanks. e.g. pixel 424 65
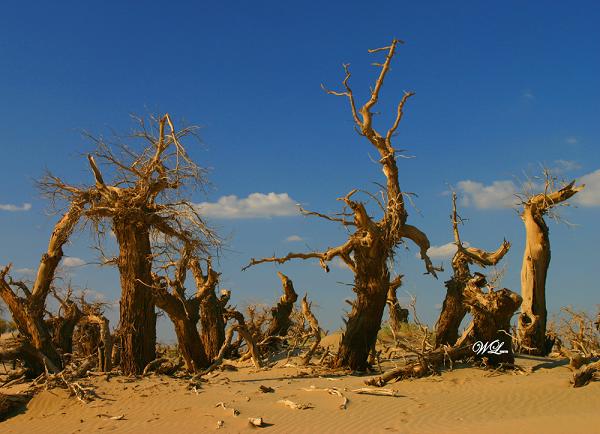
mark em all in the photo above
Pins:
pixel 572 140
pixel 27 271
pixel 441 252
pixel 500 194
pixel 590 195
pixel 294 238
pixel 256 205
pixel 72 261
pixel 445 251
pixel 14 208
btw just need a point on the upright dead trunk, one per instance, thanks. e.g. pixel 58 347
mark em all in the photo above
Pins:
pixel 398 314
pixel 212 322
pixel 137 325
pixel 280 322
pixel 536 260
pixel 191 346
pixel 371 282
pixel 64 326
pixel 452 313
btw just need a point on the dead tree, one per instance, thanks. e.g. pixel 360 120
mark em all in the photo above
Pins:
pixel 454 309
pixel 142 199
pixel 28 310
pixel 536 260
pixel 280 321
pixel 371 246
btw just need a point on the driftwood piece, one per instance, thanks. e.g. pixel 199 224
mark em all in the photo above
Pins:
pixel 331 391
pixel 294 405
pixel 377 392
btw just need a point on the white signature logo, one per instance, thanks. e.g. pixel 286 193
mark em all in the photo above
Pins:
pixel 494 347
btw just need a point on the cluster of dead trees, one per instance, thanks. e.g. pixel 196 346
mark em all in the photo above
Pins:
pixel 140 197
pixel 161 239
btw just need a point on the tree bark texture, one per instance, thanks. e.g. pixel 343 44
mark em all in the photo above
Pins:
pixel 137 315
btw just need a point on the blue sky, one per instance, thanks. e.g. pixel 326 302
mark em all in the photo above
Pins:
pixel 500 89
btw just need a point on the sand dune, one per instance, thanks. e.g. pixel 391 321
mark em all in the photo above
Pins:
pixel 465 400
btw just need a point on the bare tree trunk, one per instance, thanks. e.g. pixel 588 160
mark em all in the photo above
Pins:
pixel 536 260
pixel 280 322
pixel 212 324
pixel 364 320
pixel 492 312
pixel 452 314
pixel 64 326
pixel 190 345
pixel 398 315
pixel 137 316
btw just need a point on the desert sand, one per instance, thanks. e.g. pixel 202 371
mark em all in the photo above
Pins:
pixel 464 400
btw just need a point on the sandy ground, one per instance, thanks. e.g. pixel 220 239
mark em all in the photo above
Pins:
pixel 465 400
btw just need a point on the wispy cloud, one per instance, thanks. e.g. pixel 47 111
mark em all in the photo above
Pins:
pixel 564 166
pixel 497 195
pixel 338 263
pixel 27 271
pixel 590 195
pixel 572 140
pixel 294 238
pixel 528 95
pixel 15 208
pixel 501 194
pixel 73 261
pixel 256 205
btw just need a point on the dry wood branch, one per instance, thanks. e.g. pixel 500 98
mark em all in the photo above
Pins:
pixel 584 375
pixel 331 391
pixel 323 257
pixel 428 363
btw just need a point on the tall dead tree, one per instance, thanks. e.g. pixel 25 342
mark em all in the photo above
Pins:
pixel 454 308
pixel 143 198
pixel 536 260
pixel 371 246
pixel 28 310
